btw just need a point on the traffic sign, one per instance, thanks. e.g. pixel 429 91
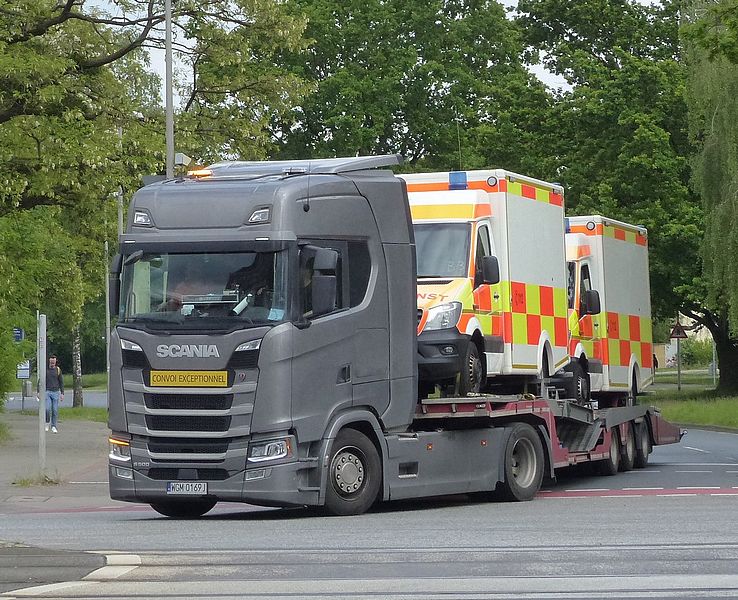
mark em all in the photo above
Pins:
pixel 23 371
pixel 18 334
pixel 678 332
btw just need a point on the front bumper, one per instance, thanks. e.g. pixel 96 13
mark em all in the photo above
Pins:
pixel 276 485
pixel 441 354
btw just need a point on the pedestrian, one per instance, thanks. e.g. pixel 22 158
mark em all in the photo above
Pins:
pixel 54 393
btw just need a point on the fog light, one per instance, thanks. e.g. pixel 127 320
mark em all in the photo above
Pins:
pixel 448 350
pixel 257 474
pixel 123 473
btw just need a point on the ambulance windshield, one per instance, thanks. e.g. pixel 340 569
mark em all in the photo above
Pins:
pixel 204 290
pixel 442 249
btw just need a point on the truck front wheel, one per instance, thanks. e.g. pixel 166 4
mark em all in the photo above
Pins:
pixel 523 465
pixel 354 474
pixel 184 509
pixel 611 464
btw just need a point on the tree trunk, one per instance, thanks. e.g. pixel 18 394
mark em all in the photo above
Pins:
pixel 727 357
pixel 77 367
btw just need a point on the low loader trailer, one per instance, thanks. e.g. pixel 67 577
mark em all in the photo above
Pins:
pixel 266 352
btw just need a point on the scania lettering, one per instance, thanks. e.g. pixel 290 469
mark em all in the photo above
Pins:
pixel 266 352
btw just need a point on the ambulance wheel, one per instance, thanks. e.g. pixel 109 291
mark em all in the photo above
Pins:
pixel 354 474
pixel 611 464
pixel 629 449
pixel 186 509
pixel 523 472
pixel 579 385
pixel 472 371
pixel 643 445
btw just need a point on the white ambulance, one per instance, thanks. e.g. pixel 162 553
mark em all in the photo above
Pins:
pixel 610 308
pixel 492 303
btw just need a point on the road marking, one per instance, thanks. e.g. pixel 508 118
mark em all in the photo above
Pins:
pixel 40 590
pixel 698 487
pixel 702 464
pixel 589 490
pixel 623 496
pixel 674 495
pixel 635 489
pixel 692 471
pixel 698 449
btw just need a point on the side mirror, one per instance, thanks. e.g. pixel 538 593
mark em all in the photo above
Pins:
pixel 114 284
pixel 325 259
pixel 591 303
pixel 324 294
pixel 490 270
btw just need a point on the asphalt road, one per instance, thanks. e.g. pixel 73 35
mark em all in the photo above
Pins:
pixel 668 531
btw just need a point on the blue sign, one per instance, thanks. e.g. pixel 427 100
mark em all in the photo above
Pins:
pixel 18 334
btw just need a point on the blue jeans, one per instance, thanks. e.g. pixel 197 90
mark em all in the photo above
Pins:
pixel 52 406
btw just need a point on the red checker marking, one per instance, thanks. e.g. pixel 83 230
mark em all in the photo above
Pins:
pixel 528 191
pixel 635 328
pixel 483 298
pixel 518 297
pixel 547 300
pixel 613 325
pixel 556 199
pixel 647 355
pixel 507 327
pixel 641 240
pixel 585 326
pixel 561 332
pixel 534 329
pixel 620 234
pixel 497 325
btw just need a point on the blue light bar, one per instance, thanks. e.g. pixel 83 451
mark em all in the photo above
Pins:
pixel 567 226
pixel 457 180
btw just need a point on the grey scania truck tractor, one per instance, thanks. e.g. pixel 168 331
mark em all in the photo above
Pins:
pixel 265 352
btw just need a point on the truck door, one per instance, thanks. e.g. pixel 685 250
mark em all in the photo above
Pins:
pixel 488 302
pixel 589 327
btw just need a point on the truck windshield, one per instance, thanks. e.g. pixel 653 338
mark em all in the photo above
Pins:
pixel 442 249
pixel 204 290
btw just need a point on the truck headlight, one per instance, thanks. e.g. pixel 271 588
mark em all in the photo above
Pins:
pixel 270 450
pixel 443 316
pixel 119 450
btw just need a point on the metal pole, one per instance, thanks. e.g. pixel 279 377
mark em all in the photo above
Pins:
pixel 107 310
pixel 41 362
pixel 169 94
pixel 679 366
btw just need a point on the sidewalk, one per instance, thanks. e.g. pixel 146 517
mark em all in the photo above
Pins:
pixel 76 457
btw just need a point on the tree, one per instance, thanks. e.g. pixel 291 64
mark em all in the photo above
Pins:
pixel 711 30
pixel 623 143
pixel 440 82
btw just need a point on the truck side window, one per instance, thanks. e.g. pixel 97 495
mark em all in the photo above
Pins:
pixel 571 282
pixel 359 268
pixel 307 260
pixel 483 249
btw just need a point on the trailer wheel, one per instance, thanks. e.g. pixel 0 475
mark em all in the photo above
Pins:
pixel 188 509
pixel 523 465
pixel 354 474
pixel 643 445
pixel 472 371
pixel 610 465
pixel 629 449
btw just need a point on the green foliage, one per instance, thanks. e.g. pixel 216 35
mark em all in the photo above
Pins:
pixel 696 352
pixel 713 26
pixel 701 409
pixel 621 129
pixel 440 82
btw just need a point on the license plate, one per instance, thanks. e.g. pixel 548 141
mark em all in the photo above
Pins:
pixel 202 379
pixel 187 488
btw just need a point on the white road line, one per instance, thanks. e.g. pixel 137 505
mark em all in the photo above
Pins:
pixel 42 590
pixel 698 449
pixel 698 487
pixel 623 496
pixel 589 490
pixel 702 464
pixel 692 471
pixel 674 495
pixel 642 472
pixel 731 471
pixel 636 489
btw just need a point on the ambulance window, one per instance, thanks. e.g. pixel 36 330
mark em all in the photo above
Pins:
pixel 571 282
pixel 483 249
pixel 586 283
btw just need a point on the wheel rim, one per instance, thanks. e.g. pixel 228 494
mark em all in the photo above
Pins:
pixel 475 372
pixel 630 446
pixel 645 443
pixel 348 471
pixel 523 462
pixel 614 449
pixel 583 390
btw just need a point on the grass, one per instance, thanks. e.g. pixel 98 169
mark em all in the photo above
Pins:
pixel 700 407
pixel 90 381
pixel 670 377
pixel 79 413
pixel 39 479
pixel 4 433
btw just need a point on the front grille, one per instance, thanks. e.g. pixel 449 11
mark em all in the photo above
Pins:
pixel 246 359
pixel 166 474
pixel 181 423
pixel 186 446
pixel 135 359
pixel 189 401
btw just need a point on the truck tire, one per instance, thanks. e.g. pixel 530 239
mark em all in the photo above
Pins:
pixel 184 509
pixel 472 371
pixel 611 464
pixel 354 474
pixel 523 468
pixel 643 445
pixel 579 385
pixel 629 449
